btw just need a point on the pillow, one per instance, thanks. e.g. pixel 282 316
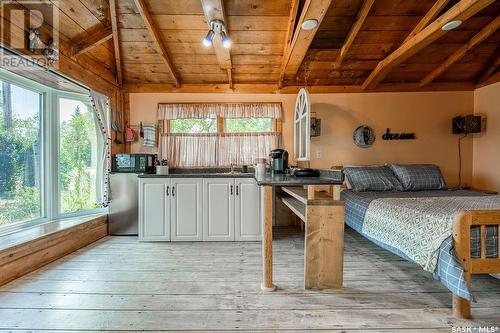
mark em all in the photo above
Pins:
pixel 372 178
pixel 419 177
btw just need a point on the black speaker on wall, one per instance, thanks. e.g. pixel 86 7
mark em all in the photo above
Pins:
pixel 466 124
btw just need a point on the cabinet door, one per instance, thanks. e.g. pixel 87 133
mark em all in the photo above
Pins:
pixel 218 209
pixel 247 210
pixel 187 208
pixel 154 209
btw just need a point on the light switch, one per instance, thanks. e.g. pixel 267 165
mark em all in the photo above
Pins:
pixel 318 154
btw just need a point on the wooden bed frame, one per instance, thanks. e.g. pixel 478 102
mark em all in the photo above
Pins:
pixel 482 265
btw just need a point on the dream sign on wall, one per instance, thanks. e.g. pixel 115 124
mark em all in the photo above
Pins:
pixel 398 136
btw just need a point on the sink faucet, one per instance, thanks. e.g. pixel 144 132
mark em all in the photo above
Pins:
pixel 232 167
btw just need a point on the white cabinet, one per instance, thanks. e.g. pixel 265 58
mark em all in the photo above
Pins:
pixel 154 209
pixel 247 210
pixel 194 209
pixel 186 213
pixel 218 213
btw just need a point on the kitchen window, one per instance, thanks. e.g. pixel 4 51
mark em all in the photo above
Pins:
pixel 248 125
pixel 193 126
pixel 218 134
pixel 48 157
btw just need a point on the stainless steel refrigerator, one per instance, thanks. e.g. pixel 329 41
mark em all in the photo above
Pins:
pixel 123 206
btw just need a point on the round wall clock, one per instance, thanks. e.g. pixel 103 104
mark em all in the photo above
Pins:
pixel 364 136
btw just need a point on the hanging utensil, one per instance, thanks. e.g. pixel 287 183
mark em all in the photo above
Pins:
pixel 113 121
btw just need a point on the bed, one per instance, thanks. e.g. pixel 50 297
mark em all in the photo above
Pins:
pixel 456 258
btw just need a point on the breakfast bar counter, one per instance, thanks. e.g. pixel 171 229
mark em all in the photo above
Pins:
pixel 323 215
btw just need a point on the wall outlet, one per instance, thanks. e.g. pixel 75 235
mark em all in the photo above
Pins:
pixel 318 154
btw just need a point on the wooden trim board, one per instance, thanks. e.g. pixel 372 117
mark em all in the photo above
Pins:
pixel 25 257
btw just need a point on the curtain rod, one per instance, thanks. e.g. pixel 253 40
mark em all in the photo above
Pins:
pixel 46 69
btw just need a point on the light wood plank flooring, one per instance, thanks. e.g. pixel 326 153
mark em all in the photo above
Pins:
pixel 119 284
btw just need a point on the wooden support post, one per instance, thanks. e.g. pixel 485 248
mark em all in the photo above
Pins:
pixel 324 247
pixel 267 218
pixel 461 306
pixel 311 192
pixel 335 192
pixel 461 240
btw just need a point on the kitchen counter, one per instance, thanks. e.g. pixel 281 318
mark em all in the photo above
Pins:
pixel 327 177
pixel 200 175
pixel 285 180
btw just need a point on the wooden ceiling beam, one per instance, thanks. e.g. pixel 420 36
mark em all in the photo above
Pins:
pixel 116 41
pixel 93 41
pixel 461 52
pixel 428 18
pixel 463 10
pixel 362 14
pixel 294 8
pixel 490 70
pixel 273 88
pixel 214 10
pixel 292 59
pixel 494 78
pixel 157 39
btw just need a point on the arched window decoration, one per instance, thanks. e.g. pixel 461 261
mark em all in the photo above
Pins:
pixel 302 126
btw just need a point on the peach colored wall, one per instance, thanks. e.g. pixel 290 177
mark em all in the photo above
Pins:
pixel 428 114
pixel 486 164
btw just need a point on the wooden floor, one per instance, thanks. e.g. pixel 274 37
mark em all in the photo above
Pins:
pixel 119 284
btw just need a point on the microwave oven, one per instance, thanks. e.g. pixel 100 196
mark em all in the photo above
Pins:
pixel 136 163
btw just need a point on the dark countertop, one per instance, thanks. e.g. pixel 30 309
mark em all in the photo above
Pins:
pixel 327 176
pixel 285 180
pixel 200 175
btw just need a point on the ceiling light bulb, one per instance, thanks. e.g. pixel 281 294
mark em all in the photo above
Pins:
pixel 226 42
pixel 309 24
pixel 451 25
pixel 207 41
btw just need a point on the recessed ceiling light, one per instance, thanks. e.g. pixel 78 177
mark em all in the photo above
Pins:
pixel 451 25
pixel 309 24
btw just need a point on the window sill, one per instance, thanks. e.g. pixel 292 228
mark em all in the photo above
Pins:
pixel 38 231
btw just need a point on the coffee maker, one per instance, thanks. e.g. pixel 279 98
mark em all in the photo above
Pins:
pixel 278 158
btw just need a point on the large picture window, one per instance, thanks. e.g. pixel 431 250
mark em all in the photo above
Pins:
pixel 20 154
pixel 48 153
pixel 77 156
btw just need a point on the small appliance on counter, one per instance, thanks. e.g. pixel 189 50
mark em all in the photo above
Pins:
pixel 278 159
pixel 303 172
pixel 162 168
pixel 134 163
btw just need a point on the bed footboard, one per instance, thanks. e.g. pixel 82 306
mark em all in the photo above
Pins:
pixel 462 244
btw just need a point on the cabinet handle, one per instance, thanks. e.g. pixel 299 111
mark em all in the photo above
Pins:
pixel 237 190
pixel 168 191
pixel 173 191
pixel 231 189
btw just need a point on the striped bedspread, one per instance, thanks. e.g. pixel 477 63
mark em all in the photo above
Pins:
pixel 447 269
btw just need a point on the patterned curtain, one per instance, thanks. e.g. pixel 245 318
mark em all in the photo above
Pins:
pixel 224 110
pixel 100 107
pixel 217 150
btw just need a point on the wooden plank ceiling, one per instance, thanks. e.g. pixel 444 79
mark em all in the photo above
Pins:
pixel 160 42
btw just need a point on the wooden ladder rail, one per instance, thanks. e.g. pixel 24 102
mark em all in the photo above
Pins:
pixel 462 244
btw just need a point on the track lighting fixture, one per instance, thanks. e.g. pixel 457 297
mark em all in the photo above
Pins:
pixel 208 40
pixel 217 27
pixel 226 42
